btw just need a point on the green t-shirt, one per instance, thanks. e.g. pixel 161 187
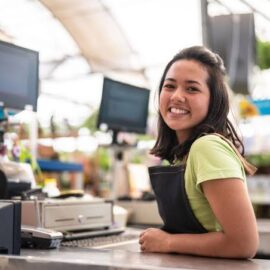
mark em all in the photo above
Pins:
pixel 210 158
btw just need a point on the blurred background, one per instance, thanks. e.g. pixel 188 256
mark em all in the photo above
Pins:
pixel 81 42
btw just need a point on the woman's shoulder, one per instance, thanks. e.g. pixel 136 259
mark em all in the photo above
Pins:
pixel 207 140
pixel 213 151
pixel 211 143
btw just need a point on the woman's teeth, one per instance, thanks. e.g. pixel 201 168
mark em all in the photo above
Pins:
pixel 178 111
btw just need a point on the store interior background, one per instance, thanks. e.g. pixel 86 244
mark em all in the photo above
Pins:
pixel 79 42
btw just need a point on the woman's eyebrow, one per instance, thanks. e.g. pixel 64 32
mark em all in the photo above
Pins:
pixel 170 79
pixel 187 81
pixel 191 81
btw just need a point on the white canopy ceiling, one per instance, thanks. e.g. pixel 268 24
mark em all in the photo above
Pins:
pixel 127 39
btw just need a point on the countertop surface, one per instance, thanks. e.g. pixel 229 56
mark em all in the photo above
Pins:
pixel 125 257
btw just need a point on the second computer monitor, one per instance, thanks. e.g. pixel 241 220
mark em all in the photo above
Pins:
pixel 123 107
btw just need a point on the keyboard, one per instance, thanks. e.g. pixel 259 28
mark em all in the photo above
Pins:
pixel 103 241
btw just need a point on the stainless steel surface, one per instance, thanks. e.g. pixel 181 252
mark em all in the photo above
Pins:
pixel 124 259
pixel 123 256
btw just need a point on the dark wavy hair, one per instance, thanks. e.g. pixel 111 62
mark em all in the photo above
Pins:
pixel 167 146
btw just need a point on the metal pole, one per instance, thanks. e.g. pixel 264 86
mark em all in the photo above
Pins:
pixel 205 23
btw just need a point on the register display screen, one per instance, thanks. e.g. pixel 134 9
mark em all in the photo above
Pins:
pixel 124 107
pixel 18 76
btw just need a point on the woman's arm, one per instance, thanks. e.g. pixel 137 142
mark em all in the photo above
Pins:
pixel 230 203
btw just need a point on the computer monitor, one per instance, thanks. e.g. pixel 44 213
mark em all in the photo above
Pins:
pixel 233 38
pixel 19 78
pixel 123 107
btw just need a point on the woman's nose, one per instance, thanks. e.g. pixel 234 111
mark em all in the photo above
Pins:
pixel 179 95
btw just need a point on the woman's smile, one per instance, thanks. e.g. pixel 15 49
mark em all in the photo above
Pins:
pixel 175 112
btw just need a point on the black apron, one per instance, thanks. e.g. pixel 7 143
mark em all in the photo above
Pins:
pixel 169 187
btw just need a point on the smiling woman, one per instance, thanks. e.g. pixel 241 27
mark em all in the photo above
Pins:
pixel 196 137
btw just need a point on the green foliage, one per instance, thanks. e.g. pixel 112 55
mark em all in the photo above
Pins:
pixel 91 122
pixel 104 160
pixel 138 159
pixel 259 160
pixel 263 54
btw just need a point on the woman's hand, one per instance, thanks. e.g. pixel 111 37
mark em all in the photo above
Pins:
pixel 154 240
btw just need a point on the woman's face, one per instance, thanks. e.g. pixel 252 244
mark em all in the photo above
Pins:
pixel 184 97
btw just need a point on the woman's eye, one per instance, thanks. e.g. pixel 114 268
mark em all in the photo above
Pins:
pixel 192 89
pixel 170 86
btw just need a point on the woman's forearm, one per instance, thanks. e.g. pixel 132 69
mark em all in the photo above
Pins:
pixel 213 244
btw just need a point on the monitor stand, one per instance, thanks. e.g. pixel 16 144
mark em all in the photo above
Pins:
pixel 122 143
pixel 115 137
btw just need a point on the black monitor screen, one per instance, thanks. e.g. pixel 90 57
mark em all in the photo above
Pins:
pixel 18 76
pixel 124 107
pixel 233 38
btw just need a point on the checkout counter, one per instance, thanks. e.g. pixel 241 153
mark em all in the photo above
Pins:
pixel 124 257
pixel 128 255
pixel 121 255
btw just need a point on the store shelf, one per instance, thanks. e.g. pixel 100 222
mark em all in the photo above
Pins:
pixel 59 166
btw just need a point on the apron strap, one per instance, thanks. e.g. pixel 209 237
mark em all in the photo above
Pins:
pixel 249 168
